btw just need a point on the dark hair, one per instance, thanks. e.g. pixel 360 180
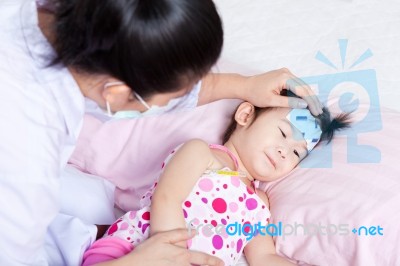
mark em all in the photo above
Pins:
pixel 154 46
pixel 328 126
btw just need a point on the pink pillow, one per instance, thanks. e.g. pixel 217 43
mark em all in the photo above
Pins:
pixel 344 197
pixel 129 152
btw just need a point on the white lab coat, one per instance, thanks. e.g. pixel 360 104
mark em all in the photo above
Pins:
pixel 85 200
pixel 40 119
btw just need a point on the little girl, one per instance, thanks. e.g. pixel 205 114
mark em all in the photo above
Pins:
pixel 207 186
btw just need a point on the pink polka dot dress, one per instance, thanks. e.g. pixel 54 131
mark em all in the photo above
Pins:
pixel 218 199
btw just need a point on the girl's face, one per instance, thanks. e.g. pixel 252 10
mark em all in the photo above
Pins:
pixel 270 146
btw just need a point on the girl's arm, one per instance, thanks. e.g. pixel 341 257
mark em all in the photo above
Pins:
pixel 262 90
pixel 178 179
pixel 261 249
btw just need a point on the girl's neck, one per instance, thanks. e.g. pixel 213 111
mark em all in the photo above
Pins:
pixel 247 179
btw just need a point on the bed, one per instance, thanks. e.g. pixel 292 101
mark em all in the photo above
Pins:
pixel 349 52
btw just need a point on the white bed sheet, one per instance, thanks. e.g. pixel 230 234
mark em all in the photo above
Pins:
pixel 261 35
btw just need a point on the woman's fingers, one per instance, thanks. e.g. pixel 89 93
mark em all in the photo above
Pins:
pixel 199 258
pixel 194 257
pixel 301 89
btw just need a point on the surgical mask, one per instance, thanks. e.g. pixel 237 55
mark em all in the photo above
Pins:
pixel 173 104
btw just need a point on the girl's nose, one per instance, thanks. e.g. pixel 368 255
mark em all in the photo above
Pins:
pixel 282 150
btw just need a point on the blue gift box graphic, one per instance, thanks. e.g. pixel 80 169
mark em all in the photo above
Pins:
pixel 348 102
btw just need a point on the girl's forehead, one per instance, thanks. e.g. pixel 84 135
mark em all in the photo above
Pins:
pixel 281 116
pixel 278 113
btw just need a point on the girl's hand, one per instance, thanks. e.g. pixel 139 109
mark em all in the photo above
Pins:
pixel 264 90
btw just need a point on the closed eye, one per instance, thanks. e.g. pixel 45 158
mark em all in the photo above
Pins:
pixel 283 134
pixel 296 153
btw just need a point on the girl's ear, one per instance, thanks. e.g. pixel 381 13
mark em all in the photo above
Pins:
pixel 245 114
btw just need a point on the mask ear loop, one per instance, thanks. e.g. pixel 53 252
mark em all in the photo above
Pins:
pixel 110 84
pixel 108 109
pixel 141 100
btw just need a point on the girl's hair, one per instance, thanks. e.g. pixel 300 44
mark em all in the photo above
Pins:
pixel 154 46
pixel 328 125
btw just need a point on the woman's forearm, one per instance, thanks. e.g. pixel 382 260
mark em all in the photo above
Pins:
pixel 222 86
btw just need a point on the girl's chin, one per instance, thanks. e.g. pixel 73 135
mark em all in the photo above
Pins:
pixel 267 176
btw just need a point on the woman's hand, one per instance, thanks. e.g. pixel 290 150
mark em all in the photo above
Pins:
pixel 161 250
pixel 261 90
pixel 264 90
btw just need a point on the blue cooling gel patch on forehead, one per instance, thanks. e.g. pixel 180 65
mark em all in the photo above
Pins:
pixel 303 120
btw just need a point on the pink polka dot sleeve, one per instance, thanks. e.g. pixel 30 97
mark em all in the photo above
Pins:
pixel 106 249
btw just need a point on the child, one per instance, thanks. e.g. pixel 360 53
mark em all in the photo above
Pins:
pixel 214 185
